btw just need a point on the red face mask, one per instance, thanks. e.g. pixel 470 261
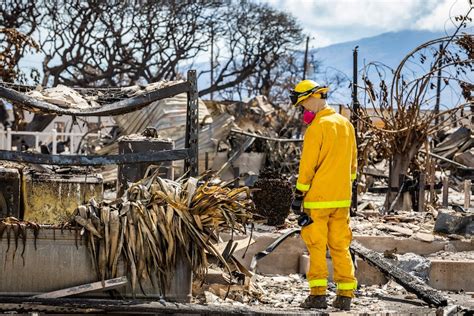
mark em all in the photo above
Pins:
pixel 308 116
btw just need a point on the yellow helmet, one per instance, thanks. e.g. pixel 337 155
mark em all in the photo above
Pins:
pixel 304 89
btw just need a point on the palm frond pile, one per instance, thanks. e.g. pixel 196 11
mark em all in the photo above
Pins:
pixel 158 220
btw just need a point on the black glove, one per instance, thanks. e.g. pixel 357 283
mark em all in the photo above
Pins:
pixel 297 202
pixel 304 220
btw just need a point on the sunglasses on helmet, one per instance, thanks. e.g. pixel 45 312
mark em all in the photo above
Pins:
pixel 294 96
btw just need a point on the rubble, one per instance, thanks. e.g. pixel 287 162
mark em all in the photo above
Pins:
pixel 414 264
pixel 286 293
pixel 64 97
pixel 455 142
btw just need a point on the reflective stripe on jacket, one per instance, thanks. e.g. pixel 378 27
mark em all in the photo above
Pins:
pixel 328 162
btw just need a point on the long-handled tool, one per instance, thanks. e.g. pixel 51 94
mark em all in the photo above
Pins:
pixel 271 247
pixel 276 243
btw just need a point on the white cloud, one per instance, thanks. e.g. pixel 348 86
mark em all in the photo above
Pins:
pixel 438 19
pixel 333 21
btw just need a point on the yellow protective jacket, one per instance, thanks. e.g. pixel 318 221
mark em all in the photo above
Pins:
pixel 328 161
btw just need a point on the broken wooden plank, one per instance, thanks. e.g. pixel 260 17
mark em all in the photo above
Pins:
pixel 134 307
pixel 465 158
pixel 241 244
pixel 409 282
pixel 454 140
pixel 362 206
pixel 397 229
pixel 467 194
pixel 85 288
pixel 424 237
pixel 375 172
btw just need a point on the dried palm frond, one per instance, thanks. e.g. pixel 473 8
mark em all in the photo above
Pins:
pixel 158 220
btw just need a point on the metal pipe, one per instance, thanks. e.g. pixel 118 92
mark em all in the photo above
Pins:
pixel 438 85
pixel 281 140
pixel 305 58
pixel 447 160
pixel 355 118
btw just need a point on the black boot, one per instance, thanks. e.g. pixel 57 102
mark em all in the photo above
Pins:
pixel 342 302
pixel 315 301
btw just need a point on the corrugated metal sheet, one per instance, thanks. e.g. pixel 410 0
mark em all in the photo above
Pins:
pixel 168 116
pixel 209 137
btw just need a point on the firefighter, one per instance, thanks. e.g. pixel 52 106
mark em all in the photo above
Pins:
pixel 323 194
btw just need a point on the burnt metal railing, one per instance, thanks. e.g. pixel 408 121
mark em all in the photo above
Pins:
pixel 189 153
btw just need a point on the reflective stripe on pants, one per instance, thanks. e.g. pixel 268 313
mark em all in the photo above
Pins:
pixel 330 228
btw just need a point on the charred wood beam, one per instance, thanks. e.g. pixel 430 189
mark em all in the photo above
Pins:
pixel 281 140
pixel 82 160
pixel 132 307
pixel 409 282
pixel 116 108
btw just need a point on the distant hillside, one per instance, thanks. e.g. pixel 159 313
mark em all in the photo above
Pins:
pixel 388 48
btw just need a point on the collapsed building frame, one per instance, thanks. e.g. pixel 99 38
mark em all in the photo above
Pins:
pixel 189 153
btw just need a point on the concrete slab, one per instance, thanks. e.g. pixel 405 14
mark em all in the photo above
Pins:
pixel 405 245
pixel 285 259
pixel 444 275
pixel 452 275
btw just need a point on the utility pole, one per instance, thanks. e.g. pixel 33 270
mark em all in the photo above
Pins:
pixel 355 120
pixel 212 58
pixel 305 58
pixel 438 85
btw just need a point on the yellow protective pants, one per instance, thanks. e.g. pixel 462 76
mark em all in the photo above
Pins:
pixel 330 228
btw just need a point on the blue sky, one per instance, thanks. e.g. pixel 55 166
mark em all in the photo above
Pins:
pixel 334 21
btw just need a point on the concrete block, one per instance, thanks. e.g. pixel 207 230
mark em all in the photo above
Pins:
pixel 62 259
pixel 285 259
pixel 452 275
pixel 405 245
